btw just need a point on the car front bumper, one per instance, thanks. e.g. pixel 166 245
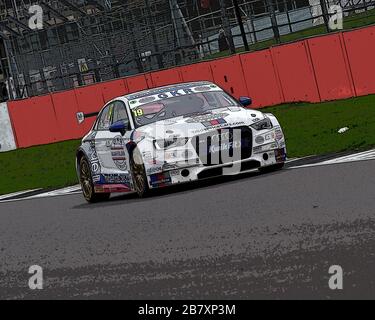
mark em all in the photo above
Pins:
pixel 258 149
pixel 178 173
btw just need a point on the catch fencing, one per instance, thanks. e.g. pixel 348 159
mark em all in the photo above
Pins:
pixel 88 44
pixel 330 67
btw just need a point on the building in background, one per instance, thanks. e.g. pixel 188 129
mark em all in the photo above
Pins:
pixel 88 41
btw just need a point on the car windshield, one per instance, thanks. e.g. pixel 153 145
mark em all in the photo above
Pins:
pixel 162 107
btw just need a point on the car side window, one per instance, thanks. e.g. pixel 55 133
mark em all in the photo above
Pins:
pixel 119 113
pixel 105 119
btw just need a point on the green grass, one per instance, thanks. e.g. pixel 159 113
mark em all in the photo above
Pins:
pixel 311 129
pixel 350 22
pixel 46 166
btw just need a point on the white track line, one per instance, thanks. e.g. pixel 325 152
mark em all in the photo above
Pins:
pixel 55 193
pixel 362 156
pixel 297 159
pixel 15 194
pixel 60 192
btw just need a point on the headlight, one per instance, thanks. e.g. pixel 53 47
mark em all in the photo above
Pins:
pixel 170 143
pixel 262 125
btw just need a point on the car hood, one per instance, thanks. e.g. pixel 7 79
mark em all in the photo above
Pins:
pixel 189 126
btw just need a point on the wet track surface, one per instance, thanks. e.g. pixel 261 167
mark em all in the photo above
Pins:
pixel 254 236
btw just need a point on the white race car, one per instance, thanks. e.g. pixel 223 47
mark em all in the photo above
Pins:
pixel 175 134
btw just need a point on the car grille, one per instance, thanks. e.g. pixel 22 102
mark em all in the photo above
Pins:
pixel 218 171
pixel 223 146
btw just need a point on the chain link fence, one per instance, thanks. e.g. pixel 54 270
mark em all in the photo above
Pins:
pixel 94 41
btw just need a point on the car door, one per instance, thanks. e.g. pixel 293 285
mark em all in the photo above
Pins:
pixel 111 146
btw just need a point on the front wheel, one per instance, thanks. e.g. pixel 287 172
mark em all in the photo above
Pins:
pixel 139 174
pixel 273 168
pixel 87 185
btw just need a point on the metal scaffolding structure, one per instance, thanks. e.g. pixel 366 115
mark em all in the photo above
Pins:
pixel 88 41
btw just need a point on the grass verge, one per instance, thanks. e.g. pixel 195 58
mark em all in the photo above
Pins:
pixel 48 166
pixel 311 129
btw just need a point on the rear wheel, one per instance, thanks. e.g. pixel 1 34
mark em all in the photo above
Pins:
pixel 139 174
pixel 87 185
pixel 273 168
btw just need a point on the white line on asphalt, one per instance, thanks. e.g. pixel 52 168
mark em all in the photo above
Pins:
pixel 362 156
pixel 55 193
pixel 60 192
pixel 297 159
pixel 15 194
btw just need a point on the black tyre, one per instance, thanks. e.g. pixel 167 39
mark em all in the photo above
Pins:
pixel 139 174
pixel 273 168
pixel 87 184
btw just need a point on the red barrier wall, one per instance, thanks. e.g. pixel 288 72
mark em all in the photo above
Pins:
pixel 228 74
pixel 331 69
pixel 139 82
pixel 166 77
pixel 295 70
pixel 34 121
pixel 90 99
pixel 197 72
pixel 360 47
pixel 113 89
pixel 323 68
pixel 66 107
pixel 261 79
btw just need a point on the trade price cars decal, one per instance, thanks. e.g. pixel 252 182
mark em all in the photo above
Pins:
pixel 218 126
pixel 208 118
pixel 117 178
pixel 118 153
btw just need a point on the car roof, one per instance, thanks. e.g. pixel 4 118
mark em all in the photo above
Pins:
pixel 174 87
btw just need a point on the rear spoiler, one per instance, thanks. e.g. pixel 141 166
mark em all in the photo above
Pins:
pixel 82 116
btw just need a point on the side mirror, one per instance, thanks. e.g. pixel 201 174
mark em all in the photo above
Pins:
pixel 119 126
pixel 246 101
pixel 80 117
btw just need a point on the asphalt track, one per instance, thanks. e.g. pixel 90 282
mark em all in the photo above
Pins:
pixel 254 236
